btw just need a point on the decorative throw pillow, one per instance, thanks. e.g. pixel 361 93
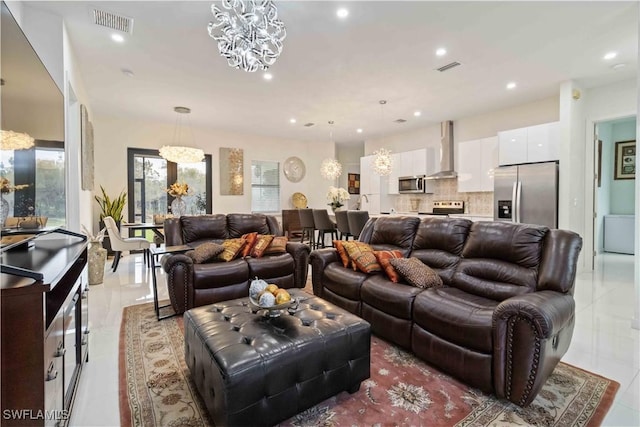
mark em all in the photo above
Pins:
pixel 205 252
pixel 262 243
pixel 251 239
pixel 362 256
pixel 232 248
pixel 342 252
pixel 416 273
pixel 383 258
pixel 278 245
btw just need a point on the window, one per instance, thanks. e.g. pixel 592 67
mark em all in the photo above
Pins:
pixel 265 186
pixel 149 177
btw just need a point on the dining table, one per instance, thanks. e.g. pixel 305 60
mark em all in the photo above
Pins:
pixel 156 228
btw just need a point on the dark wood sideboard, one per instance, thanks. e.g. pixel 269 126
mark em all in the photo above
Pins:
pixel 44 329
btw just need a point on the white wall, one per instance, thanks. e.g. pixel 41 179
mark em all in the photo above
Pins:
pixel 113 135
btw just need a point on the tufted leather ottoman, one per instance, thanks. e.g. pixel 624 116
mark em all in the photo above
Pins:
pixel 254 370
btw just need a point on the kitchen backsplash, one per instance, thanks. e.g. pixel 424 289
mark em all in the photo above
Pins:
pixel 445 189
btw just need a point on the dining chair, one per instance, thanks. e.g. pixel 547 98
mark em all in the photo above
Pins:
pixel 324 225
pixel 357 220
pixel 342 222
pixel 308 227
pixel 119 243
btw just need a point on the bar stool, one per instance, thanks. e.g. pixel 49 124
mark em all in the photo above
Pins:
pixel 342 222
pixel 357 220
pixel 324 225
pixel 308 227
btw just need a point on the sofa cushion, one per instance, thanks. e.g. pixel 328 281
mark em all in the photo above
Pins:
pixel 205 252
pixel 383 258
pixel 518 244
pixel 251 239
pixel 395 299
pixel 416 273
pixel 220 274
pixel 362 256
pixel 239 224
pixel 199 227
pixel 232 248
pixel 262 243
pixel 277 246
pixel 270 265
pixel 390 233
pixel 456 316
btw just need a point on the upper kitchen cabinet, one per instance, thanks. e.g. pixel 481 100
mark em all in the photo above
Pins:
pixel 530 145
pixel 412 163
pixel 477 161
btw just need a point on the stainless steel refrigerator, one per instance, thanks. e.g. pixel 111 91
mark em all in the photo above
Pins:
pixel 527 193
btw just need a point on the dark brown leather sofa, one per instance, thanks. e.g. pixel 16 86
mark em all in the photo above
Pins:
pixel 504 317
pixel 193 285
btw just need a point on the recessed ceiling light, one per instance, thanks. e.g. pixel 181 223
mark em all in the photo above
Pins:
pixel 359 130
pixel 618 66
pixel 117 37
pixel 610 55
pixel 511 85
pixel 417 113
pixel 267 76
pixel 292 120
pixel 342 13
pixel 441 51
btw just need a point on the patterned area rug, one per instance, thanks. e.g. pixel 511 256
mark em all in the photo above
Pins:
pixel 156 389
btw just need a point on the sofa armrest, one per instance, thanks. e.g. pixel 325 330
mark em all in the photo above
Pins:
pixel 320 259
pixel 531 333
pixel 179 271
pixel 300 254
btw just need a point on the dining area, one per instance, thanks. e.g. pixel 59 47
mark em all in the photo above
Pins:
pixel 318 228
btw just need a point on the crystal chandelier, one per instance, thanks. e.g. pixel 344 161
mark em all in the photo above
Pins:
pixel 381 162
pixel 250 34
pixel 16 140
pixel 330 169
pixel 179 153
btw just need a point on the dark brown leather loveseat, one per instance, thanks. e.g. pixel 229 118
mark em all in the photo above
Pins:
pixel 503 318
pixel 193 285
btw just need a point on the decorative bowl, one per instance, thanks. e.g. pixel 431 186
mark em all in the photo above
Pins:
pixel 274 310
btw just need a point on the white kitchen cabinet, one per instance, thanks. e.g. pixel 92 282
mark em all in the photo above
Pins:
pixel 396 172
pixel 540 143
pixel 477 160
pixel 370 185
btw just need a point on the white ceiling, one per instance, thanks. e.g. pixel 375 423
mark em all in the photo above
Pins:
pixel 333 69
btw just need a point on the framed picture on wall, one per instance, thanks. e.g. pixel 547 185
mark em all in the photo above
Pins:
pixel 625 166
pixel 353 183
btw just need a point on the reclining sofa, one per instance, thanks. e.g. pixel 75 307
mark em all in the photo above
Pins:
pixel 193 285
pixel 503 318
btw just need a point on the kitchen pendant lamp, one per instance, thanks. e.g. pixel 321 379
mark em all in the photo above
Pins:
pixel 381 162
pixel 330 169
pixel 179 153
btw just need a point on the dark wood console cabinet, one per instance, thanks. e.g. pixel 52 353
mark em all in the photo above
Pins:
pixel 44 329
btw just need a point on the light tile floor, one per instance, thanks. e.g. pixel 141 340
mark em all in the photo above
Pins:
pixel 603 340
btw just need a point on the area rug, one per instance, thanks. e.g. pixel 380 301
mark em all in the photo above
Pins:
pixel 156 389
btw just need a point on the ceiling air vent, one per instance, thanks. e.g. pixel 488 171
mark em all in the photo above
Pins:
pixel 399 121
pixel 448 66
pixel 308 125
pixel 113 21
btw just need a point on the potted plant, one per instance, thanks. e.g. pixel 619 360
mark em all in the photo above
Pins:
pixel 112 207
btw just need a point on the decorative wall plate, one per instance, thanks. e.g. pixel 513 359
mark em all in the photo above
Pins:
pixel 299 200
pixel 294 169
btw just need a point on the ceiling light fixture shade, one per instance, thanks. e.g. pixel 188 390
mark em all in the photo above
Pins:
pixel 16 140
pixel 250 34
pixel 330 169
pixel 382 163
pixel 179 153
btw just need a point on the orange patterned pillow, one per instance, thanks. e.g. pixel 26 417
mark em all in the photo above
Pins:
pixel 344 257
pixel 232 248
pixel 251 239
pixel 383 258
pixel 262 243
pixel 362 256
pixel 278 245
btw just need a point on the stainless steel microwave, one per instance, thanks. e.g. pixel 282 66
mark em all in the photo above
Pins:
pixel 411 184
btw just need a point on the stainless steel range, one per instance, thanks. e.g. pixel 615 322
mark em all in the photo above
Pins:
pixel 446 207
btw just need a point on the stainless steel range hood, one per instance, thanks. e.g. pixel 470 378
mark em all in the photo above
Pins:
pixel 446 153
